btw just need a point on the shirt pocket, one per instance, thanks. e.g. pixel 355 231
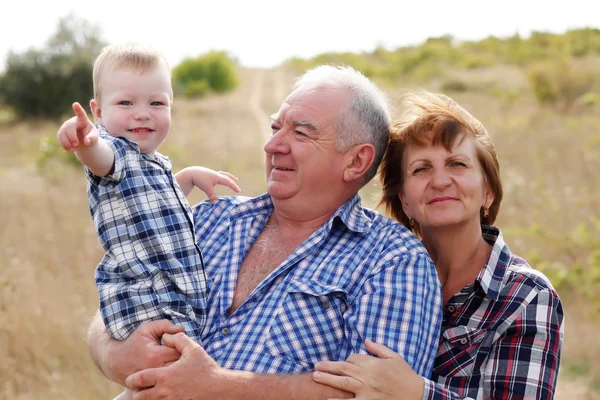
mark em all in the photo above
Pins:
pixel 309 325
pixel 458 351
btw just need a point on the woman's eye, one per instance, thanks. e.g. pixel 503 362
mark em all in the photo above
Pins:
pixel 157 103
pixel 458 164
pixel 419 170
pixel 125 103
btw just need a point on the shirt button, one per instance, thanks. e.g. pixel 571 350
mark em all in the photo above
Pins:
pixel 326 305
pixel 451 308
pixel 463 341
pixel 225 331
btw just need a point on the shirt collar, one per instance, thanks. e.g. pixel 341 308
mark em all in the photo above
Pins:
pixel 491 277
pixel 351 213
pixel 252 206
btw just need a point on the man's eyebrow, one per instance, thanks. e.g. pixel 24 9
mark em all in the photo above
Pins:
pixel 309 124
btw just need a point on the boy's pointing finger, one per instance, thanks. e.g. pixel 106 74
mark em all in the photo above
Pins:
pixel 82 118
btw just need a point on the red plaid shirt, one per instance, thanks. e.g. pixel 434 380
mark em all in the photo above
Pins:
pixel 501 335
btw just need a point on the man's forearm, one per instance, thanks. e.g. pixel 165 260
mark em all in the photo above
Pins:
pixel 250 386
pixel 98 342
pixel 142 350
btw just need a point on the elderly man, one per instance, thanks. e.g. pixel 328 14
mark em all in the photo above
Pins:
pixel 300 274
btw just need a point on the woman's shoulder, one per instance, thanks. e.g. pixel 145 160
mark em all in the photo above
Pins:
pixel 519 270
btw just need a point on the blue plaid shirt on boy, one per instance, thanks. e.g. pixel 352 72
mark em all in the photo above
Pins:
pixel 501 335
pixel 152 268
pixel 358 276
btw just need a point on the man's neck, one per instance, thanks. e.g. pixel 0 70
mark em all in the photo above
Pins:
pixel 297 214
pixel 298 222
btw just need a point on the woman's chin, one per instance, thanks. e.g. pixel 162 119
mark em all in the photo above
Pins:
pixel 445 223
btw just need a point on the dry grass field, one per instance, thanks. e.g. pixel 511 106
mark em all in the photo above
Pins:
pixel 550 165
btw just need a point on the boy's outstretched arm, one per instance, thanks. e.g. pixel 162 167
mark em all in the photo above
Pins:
pixel 78 134
pixel 205 179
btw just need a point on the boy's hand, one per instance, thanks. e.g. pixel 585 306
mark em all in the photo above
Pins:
pixel 205 179
pixel 77 131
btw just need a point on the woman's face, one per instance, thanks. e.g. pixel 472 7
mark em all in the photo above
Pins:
pixel 443 188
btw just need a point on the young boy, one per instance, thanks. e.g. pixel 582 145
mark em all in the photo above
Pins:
pixel 152 268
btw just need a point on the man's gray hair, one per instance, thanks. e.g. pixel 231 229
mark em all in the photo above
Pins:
pixel 367 118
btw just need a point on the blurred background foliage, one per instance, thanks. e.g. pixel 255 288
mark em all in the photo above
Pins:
pixel 45 82
pixel 216 71
pixel 551 61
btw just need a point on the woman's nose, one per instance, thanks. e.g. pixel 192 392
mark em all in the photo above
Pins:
pixel 440 178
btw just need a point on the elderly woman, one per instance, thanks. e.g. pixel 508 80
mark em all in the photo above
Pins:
pixel 503 322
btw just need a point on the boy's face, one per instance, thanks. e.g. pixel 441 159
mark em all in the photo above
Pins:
pixel 135 105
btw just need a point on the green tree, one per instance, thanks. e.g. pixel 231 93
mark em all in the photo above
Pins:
pixel 44 82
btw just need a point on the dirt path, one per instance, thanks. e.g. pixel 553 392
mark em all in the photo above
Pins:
pixel 258 92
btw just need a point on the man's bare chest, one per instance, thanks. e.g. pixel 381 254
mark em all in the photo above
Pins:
pixel 268 252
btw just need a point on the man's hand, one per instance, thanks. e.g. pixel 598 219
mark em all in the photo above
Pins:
pixel 119 359
pixel 77 131
pixel 195 373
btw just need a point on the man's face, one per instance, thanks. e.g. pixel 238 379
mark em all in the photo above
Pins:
pixel 302 159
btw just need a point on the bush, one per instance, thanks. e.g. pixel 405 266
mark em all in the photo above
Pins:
pixel 51 153
pixel 197 88
pixel 559 84
pixel 7 115
pixel 44 83
pixel 215 70
pixel 454 85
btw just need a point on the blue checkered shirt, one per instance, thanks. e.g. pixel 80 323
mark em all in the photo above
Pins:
pixel 152 268
pixel 359 276
pixel 501 334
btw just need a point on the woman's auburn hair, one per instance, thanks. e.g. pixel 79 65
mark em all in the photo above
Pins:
pixel 435 119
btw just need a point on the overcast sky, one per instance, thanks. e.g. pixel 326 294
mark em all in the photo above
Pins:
pixel 264 32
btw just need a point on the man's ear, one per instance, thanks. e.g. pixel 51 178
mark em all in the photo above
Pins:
pixel 96 111
pixel 358 161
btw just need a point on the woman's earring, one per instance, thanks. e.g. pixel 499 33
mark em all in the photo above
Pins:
pixel 411 221
pixel 486 212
